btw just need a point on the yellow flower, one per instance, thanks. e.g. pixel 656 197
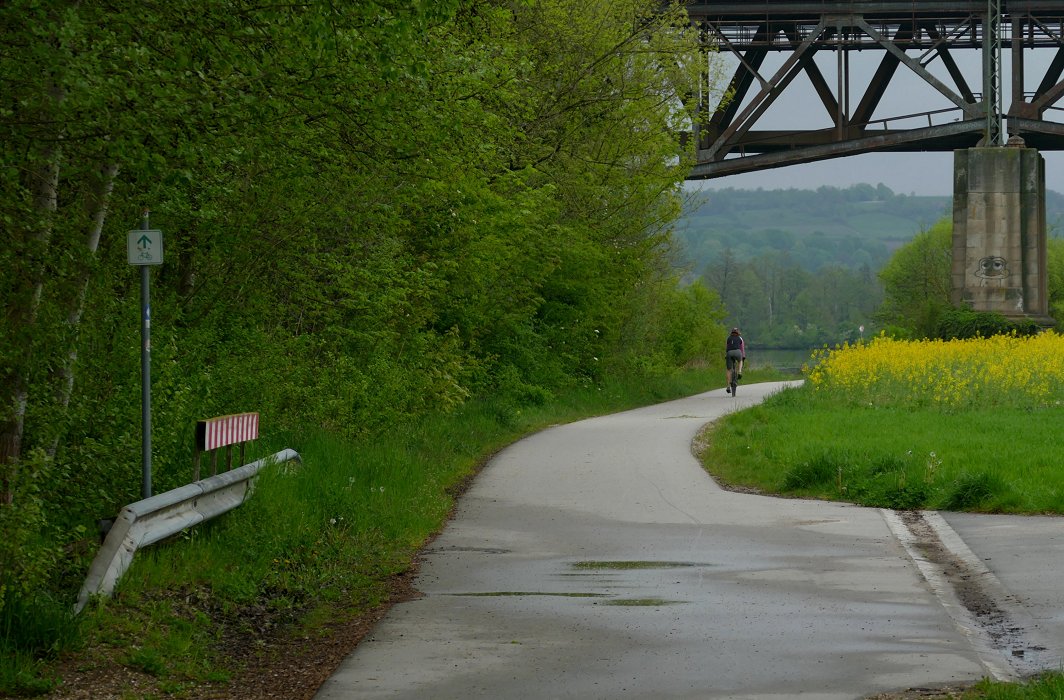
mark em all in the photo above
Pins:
pixel 955 374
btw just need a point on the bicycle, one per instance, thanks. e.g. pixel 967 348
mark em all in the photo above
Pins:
pixel 735 372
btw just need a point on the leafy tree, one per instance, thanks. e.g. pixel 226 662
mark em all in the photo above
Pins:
pixel 917 284
pixel 372 211
pixel 1055 278
pixel 840 299
pixel 916 281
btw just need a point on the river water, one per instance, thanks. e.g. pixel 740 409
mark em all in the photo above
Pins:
pixel 783 360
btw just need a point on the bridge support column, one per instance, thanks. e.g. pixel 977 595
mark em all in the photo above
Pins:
pixel 999 232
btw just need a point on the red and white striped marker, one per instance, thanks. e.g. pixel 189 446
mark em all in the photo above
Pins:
pixel 226 430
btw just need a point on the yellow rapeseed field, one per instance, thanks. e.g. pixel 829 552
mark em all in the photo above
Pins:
pixel 954 374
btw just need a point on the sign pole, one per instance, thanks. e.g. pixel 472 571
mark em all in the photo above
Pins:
pixel 144 247
pixel 145 372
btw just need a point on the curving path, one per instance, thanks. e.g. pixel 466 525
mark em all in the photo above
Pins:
pixel 598 560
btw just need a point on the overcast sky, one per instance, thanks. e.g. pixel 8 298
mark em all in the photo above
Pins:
pixel 920 173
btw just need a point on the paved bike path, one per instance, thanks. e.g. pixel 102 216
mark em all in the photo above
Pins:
pixel 598 560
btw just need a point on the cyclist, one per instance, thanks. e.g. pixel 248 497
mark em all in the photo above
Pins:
pixel 734 357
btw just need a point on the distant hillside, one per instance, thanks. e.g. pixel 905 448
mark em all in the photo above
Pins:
pixel 852 227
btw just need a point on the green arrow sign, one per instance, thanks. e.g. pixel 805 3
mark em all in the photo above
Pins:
pixel 144 247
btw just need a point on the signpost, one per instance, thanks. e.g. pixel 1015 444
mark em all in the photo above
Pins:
pixel 144 247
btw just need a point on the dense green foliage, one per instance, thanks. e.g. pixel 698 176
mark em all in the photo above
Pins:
pixel 372 212
pixel 916 281
pixel 965 323
pixel 779 304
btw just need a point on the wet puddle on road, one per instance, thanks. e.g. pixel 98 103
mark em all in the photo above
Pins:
pixel 635 565
pixel 494 594
pixel 643 602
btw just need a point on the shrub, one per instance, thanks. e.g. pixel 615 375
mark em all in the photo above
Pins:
pixel 26 554
pixel 965 323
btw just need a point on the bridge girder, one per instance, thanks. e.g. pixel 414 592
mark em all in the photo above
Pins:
pixel 910 35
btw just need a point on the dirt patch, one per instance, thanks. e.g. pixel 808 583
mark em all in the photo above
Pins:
pixel 273 663
pixel 962 579
pixel 987 604
pixel 944 692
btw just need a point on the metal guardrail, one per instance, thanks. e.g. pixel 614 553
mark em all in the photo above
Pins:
pixel 162 515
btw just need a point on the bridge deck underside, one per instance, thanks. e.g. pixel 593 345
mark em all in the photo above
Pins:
pixel 922 37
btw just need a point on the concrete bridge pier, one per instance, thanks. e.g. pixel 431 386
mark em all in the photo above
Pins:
pixel 999 232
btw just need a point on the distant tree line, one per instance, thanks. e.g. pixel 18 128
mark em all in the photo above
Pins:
pixel 779 304
pixel 826 201
pixel 791 285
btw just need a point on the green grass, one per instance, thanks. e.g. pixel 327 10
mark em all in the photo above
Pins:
pixel 1003 460
pixel 43 626
pixel 1049 686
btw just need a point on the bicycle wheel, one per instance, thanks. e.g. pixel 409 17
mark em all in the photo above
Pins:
pixel 733 388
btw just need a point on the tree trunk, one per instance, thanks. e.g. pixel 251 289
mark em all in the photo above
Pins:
pixel 22 315
pixel 99 196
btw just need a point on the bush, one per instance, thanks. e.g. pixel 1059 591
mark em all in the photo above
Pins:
pixel 27 555
pixel 964 323
pixel 897 332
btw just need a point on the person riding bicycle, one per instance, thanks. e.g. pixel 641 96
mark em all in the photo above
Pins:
pixel 734 357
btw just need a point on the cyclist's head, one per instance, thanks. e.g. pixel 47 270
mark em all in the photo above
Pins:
pixel 735 331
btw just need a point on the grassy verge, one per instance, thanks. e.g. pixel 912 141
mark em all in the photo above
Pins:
pixel 315 544
pixel 1047 687
pixel 1003 460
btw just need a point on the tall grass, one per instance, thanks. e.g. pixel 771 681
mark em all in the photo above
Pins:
pixel 41 627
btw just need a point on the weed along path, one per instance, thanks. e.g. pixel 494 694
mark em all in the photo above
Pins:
pixel 599 560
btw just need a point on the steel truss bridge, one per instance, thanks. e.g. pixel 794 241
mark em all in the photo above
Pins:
pixel 923 37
